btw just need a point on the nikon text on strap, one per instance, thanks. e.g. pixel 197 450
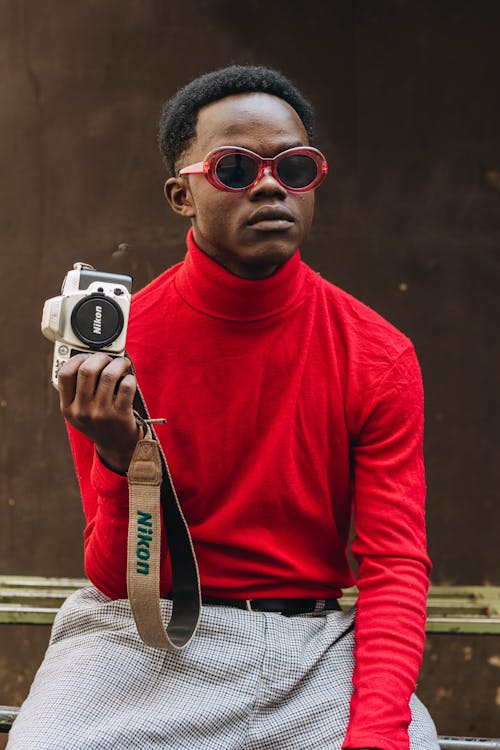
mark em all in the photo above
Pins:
pixel 152 495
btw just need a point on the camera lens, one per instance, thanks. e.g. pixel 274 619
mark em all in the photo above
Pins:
pixel 97 321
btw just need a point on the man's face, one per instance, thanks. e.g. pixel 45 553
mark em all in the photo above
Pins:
pixel 226 225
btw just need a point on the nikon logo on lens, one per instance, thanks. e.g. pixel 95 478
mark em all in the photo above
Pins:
pixel 97 320
pixel 97 327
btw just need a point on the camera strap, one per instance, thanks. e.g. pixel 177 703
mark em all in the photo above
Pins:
pixel 151 496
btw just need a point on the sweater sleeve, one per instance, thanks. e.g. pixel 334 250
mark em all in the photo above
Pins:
pixel 105 504
pixel 390 547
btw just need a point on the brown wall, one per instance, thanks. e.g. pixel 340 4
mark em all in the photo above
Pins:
pixel 408 221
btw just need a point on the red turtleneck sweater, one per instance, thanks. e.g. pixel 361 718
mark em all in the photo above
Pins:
pixel 288 403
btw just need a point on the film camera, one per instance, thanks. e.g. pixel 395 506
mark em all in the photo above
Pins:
pixel 91 314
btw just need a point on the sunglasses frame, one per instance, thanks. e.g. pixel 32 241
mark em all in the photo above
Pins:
pixel 208 167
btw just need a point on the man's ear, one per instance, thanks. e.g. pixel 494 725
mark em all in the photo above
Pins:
pixel 179 197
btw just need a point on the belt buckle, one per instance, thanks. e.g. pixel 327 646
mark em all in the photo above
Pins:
pixel 319 607
pixel 249 608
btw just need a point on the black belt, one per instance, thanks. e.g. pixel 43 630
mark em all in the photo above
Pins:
pixel 287 607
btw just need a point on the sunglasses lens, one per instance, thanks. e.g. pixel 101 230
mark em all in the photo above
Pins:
pixel 236 171
pixel 297 171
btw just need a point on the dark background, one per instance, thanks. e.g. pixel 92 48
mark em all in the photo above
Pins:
pixel 407 100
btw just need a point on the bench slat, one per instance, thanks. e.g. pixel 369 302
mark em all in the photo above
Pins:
pixel 451 609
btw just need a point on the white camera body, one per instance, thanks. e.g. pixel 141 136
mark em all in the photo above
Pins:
pixel 90 314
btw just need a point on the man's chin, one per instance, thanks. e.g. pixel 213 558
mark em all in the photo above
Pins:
pixel 261 259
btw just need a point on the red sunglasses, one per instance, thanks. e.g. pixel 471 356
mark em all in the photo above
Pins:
pixel 232 168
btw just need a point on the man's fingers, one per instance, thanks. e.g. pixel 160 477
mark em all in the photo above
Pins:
pixel 125 393
pixel 97 394
pixel 67 377
pixel 78 378
pixel 109 381
pixel 88 376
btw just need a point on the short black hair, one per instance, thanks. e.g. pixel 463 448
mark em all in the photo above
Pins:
pixel 178 119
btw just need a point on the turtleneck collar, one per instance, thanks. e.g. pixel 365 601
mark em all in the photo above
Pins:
pixel 212 290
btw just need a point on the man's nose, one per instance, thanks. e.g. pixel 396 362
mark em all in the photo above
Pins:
pixel 267 185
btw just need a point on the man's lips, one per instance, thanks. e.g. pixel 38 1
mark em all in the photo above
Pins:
pixel 271 217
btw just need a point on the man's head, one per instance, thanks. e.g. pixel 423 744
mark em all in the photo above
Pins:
pixel 180 113
pixel 254 230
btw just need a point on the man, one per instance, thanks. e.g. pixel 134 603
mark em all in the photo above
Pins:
pixel 288 402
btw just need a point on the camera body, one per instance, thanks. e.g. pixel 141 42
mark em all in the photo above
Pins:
pixel 91 314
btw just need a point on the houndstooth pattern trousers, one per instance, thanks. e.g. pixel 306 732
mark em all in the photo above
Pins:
pixel 247 681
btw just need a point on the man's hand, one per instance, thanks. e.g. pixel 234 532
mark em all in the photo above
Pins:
pixel 96 393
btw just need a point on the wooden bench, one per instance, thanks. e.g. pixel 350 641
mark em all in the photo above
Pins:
pixel 451 609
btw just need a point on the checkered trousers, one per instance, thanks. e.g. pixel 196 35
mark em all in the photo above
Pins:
pixel 247 681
